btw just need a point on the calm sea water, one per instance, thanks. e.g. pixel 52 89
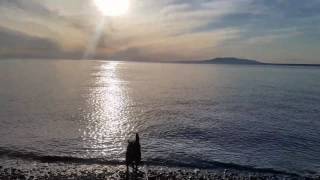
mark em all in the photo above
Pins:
pixel 201 116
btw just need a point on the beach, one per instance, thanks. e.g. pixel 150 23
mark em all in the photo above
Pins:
pixel 50 171
pixel 177 89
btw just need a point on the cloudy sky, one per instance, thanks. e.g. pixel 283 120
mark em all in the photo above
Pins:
pixel 166 30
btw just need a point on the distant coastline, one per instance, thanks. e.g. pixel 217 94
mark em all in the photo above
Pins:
pixel 238 61
pixel 219 60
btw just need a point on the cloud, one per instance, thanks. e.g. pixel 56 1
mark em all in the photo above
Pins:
pixel 181 47
pixel 29 6
pixel 13 42
pixel 16 44
pixel 273 36
pixel 164 30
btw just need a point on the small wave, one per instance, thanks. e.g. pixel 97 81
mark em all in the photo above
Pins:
pixel 216 165
pixel 150 162
pixel 55 159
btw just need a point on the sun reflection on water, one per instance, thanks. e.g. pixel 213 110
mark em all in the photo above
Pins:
pixel 108 124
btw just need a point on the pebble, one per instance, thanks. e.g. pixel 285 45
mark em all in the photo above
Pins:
pixel 154 174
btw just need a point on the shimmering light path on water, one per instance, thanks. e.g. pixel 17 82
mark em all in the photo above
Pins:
pixel 187 114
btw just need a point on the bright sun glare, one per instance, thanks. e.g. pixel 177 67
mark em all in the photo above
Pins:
pixel 112 7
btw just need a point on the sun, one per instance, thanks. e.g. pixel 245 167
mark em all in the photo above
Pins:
pixel 112 7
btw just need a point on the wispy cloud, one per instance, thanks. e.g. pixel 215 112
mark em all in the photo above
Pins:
pixel 163 30
pixel 273 36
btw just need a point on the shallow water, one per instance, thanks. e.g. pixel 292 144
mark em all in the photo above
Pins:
pixel 203 116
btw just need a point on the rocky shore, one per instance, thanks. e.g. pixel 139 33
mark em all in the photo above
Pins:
pixel 101 172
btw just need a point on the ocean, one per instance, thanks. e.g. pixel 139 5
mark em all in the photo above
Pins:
pixel 188 115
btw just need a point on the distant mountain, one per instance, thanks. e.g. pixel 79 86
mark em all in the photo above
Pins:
pixel 231 60
pixel 238 61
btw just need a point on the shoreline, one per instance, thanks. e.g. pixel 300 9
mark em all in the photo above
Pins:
pixel 119 172
pixel 18 160
pixel 36 170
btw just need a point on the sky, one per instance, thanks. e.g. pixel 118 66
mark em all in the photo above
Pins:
pixel 278 31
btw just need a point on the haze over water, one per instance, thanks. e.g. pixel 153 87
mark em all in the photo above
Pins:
pixel 187 114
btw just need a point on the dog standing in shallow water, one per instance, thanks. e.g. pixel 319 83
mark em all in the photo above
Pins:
pixel 133 154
